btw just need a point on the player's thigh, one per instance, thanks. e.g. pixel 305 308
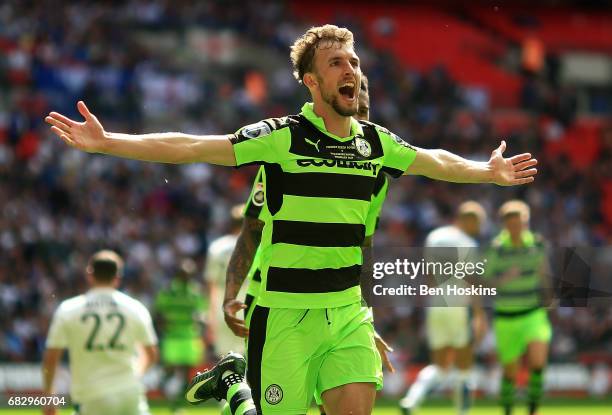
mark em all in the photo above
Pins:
pixel 510 339
pixel 129 402
pixel 510 370
pixel 282 364
pixel 353 398
pixel 538 332
pixel 536 327
pixel 353 357
pixel 537 354
pixel 464 357
pixel 442 357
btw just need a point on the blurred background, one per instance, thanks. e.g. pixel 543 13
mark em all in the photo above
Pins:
pixel 442 74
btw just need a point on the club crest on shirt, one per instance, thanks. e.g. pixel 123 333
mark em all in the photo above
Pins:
pixel 256 130
pixel 259 196
pixel 273 394
pixel 363 147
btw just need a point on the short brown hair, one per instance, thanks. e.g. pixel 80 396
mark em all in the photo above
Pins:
pixel 105 265
pixel 515 207
pixel 303 49
pixel 472 208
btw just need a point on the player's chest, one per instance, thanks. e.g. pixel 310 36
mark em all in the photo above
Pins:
pixel 312 151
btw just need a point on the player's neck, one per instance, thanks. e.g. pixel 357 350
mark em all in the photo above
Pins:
pixel 517 240
pixel 462 228
pixel 101 287
pixel 339 125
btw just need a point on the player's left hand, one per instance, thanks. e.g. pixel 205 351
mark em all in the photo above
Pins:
pixel 236 325
pixel 383 349
pixel 511 171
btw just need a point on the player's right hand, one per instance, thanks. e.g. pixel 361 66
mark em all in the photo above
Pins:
pixel 87 136
pixel 236 325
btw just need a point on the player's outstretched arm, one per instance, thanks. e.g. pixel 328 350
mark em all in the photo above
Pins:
pixel 90 136
pixel 443 165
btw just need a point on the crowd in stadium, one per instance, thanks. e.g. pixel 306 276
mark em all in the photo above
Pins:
pixel 58 205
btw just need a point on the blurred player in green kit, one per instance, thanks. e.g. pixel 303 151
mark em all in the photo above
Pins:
pixel 180 308
pixel 518 264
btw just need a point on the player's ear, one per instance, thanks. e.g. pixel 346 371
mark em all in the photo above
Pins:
pixel 309 80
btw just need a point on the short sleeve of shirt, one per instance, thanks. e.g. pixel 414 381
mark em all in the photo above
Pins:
pixel 145 333
pixel 257 143
pixel 378 197
pixel 257 198
pixel 57 337
pixel 399 155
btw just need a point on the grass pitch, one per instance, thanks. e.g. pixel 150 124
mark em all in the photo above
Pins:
pixel 565 407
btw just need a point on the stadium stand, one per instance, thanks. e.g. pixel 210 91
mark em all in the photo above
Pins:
pixel 437 78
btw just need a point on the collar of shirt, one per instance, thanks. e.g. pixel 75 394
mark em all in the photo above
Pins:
pixel 308 112
pixel 102 289
pixel 527 236
pixel 178 285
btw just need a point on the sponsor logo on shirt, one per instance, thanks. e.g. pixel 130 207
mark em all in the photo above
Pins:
pixel 343 164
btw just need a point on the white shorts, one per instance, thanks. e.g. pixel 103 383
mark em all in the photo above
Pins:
pixel 131 402
pixel 448 327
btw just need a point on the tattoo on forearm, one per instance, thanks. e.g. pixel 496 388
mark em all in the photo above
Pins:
pixel 242 257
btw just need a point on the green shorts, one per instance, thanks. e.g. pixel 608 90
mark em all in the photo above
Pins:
pixel 249 301
pixel 294 354
pixel 513 334
pixel 182 352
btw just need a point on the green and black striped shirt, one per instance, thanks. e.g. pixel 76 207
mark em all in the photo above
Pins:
pixel 318 195
pixel 524 293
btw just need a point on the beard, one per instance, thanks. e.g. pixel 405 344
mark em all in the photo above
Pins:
pixel 332 100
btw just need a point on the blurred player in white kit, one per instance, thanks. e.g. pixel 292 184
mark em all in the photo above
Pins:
pixel 217 260
pixel 452 322
pixel 104 332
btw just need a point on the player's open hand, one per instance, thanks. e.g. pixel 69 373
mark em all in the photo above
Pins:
pixel 87 136
pixel 383 349
pixel 236 325
pixel 511 171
